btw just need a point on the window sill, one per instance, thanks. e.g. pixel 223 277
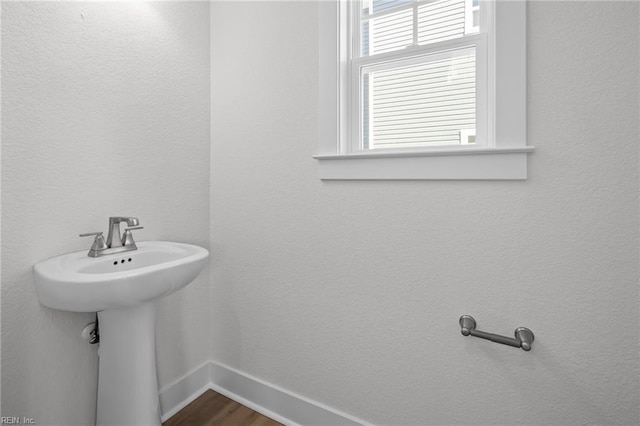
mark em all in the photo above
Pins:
pixel 505 163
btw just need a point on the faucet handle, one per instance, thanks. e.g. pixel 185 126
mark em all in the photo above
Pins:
pixel 127 237
pixel 88 234
pixel 98 243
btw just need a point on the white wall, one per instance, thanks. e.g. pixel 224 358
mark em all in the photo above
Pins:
pixel 349 293
pixel 345 292
pixel 105 112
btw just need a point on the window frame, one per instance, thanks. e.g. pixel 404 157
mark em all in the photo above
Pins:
pixel 469 8
pixel 501 155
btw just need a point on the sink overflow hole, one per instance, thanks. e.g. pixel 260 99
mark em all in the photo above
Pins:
pixel 115 263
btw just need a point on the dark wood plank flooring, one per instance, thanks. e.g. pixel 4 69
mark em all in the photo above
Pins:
pixel 213 409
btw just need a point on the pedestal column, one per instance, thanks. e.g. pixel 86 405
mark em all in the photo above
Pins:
pixel 127 381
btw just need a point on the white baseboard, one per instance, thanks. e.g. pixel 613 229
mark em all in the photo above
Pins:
pixel 273 401
pixel 179 394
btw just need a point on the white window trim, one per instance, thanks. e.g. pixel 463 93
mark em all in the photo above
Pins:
pixel 503 156
pixel 469 8
pixel 465 134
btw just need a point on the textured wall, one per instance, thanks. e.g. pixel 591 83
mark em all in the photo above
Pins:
pixel 105 112
pixel 350 292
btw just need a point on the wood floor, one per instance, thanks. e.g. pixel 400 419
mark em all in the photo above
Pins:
pixel 213 409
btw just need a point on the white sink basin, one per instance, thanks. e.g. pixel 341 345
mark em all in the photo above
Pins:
pixel 76 282
pixel 122 288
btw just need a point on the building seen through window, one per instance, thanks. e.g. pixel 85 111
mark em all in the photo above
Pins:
pixel 414 96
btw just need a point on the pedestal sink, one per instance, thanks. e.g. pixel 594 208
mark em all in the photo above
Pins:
pixel 122 288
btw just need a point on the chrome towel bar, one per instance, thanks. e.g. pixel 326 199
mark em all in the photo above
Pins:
pixel 524 336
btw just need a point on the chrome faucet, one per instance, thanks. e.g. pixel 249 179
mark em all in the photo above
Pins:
pixel 114 229
pixel 116 243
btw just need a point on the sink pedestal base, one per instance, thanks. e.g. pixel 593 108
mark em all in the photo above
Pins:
pixel 127 381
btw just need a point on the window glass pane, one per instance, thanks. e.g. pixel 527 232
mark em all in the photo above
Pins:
pixel 370 7
pixel 392 29
pixel 441 20
pixel 387 33
pixel 420 104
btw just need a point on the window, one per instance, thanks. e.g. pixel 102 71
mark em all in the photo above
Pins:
pixel 414 89
pixel 413 72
